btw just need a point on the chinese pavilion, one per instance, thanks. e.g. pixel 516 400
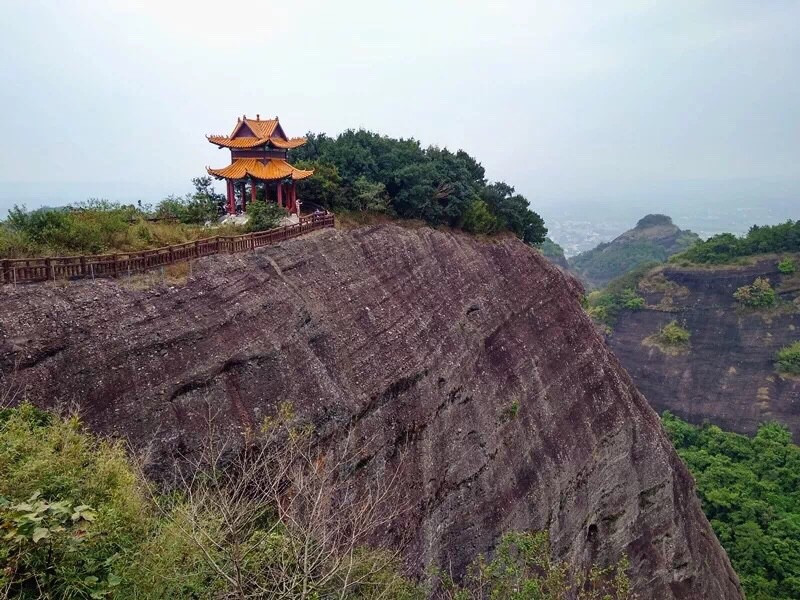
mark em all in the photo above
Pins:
pixel 258 162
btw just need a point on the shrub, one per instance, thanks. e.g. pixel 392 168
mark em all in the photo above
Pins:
pixel 604 306
pixel 787 359
pixel 202 206
pixel 262 216
pixel 786 266
pixel 479 219
pixel 522 568
pixel 70 508
pixel 631 300
pixel 758 294
pixel 673 334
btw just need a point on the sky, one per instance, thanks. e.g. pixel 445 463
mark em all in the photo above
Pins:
pixel 624 103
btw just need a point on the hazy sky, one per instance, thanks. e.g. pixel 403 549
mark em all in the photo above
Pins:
pixel 566 100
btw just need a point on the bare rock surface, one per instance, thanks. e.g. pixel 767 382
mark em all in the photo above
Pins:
pixel 727 374
pixel 468 367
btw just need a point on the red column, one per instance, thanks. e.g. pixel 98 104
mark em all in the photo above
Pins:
pixel 231 198
pixel 294 196
pixel 280 194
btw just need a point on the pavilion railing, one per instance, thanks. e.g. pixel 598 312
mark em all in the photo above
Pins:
pixel 54 268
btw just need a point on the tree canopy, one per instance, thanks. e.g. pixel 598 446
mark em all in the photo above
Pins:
pixel 760 239
pixel 362 170
pixel 750 490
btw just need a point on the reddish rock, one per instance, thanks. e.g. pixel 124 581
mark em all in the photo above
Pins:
pixel 423 342
pixel 728 375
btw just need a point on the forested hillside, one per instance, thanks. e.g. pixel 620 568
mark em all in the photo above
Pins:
pixel 750 490
pixel 654 239
pixel 361 170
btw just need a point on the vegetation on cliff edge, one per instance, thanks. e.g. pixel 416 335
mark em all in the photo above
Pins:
pixel 758 294
pixel 787 360
pixel 760 239
pixel 750 492
pixel 78 519
pixel 604 306
pixel 361 170
pixel 100 226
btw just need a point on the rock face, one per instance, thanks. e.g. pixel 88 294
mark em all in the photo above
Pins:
pixel 468 367
pixel 728 376
pixel 654 238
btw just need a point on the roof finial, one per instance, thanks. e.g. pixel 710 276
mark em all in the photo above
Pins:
pixel 244 117
pixel 276 117
pixel 258 117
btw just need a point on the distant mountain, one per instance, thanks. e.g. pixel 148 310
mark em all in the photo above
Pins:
pixel 655 238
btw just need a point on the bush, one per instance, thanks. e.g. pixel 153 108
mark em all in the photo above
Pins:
pixel 203 206
pixel 786 266
pixel 787 359
pixel 521 568
pixel 262 216
pixel 604 306
pixel 673 334
pixel 758 294
pixel 71 509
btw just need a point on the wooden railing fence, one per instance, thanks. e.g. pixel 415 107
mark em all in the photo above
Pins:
pixel 53 268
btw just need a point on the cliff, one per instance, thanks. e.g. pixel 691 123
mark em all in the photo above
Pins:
pixel 726 375
pixel 654 238
pixel 467 367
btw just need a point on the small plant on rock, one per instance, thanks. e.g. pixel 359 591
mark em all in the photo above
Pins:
pixel 758 294
pixel 786 266
pixel 673 334
pixel 788 359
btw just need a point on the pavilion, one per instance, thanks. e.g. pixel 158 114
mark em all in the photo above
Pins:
pixel 259 150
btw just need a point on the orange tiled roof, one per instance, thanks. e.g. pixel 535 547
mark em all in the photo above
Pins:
pixel 252 142
pixel 251 167
pixel 262 129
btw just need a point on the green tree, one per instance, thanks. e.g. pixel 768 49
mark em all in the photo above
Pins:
pixel 479 219
pixel 433 184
